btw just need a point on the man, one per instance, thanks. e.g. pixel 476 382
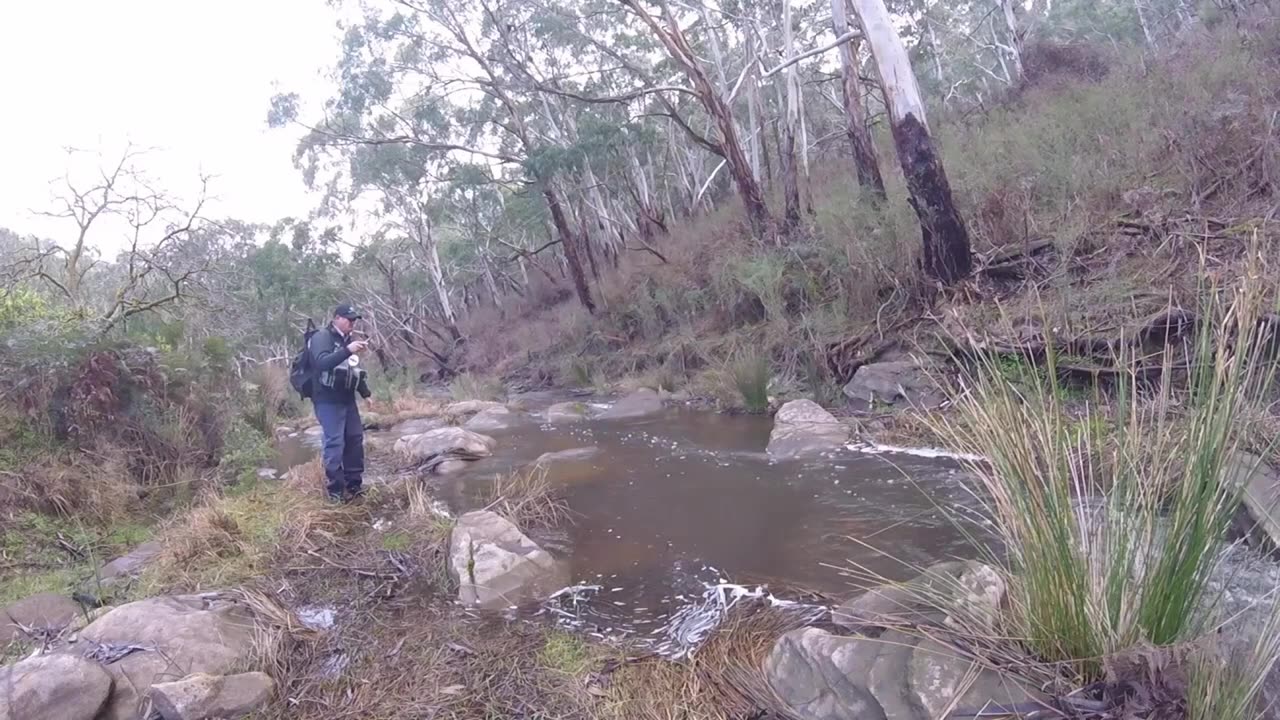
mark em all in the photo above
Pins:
pixel 335 359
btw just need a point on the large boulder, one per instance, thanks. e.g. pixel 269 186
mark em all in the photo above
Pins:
pixel 53 687
pixel 801 428
pixel 568 412
pixel 164 638
pixel 497 418
pixel 417 426
pixel 641 403
pixel 497 566
pixel 202 696
pixel 820 676
pixel 44 613
pixel 904 383
pixel 447 443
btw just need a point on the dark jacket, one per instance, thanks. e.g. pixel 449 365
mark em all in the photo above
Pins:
pixel 333 384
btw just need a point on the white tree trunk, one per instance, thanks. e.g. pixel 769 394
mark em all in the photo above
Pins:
pixel 945 238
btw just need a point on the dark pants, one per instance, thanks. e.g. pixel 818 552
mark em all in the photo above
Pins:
pixel 343 446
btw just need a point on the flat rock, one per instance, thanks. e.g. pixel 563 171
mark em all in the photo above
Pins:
pixel 641 403
pixel 202 696
pixel 47 612
pixel 53 687
pixel 497 566
pixel 802 428
pixel 470 407
pixel 180 635
pixel 568 412
pixel 129 564
pixel 1259 485
pixel 417 426
pixel 902 383
pixel 498 418
pixel 446 442
pixel 937 676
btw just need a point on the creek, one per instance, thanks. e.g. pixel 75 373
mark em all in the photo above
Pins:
pixel 679 513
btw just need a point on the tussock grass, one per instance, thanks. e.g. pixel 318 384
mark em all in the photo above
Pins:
pixel 528 498
pixel 750 371
pixel 1113 522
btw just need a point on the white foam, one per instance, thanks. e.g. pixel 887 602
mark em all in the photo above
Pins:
pixel 924 452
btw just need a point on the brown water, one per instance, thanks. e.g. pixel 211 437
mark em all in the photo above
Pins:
pixel 675 503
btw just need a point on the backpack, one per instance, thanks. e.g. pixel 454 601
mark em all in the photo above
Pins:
pixel 301 375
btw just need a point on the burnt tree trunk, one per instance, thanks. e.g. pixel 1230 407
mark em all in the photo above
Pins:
pixel 945 238
pixel 570 246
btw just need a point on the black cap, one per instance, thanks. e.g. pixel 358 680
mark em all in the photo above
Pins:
pixel 347 311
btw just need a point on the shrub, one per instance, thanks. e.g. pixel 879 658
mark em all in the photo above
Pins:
pixel 750 372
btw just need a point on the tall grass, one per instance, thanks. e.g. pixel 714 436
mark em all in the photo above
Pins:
pixel 750 371
pixel 1113 522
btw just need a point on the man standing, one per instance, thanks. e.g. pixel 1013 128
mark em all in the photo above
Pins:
pixel 335 360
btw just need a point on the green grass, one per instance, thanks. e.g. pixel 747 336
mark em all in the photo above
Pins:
pixel 565 653
pixel 396 541
pixel 38 545
pixel 1131 569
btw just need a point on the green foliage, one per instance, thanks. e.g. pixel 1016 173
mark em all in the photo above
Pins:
pixel 565 653
pixel 245 450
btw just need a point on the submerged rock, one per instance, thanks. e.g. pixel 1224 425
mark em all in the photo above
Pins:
pixel 53 687
pixel 497 418
pixel 571 455
pixel 802 428
pixel 145 641
pixel 446 443
pixel 201 696
pixel 496 565
pixel 568 412
pixel 898 383
pixel 640 403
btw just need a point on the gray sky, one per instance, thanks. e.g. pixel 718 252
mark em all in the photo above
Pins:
pixel 191 79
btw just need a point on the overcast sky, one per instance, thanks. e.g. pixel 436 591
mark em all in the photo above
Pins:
pixel 192 79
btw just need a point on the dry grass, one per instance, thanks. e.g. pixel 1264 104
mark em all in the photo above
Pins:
pixel 97 489
pixel 528 498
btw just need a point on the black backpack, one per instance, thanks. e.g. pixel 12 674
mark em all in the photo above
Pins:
pixel 301 375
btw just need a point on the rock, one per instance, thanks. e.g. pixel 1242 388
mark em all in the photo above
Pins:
pixel 936 676
pixel 568 412
pixel 201 696
pixel 961 593
pixel 640 403
pixel 571 455
pixel 470 407
pixel 180 635
pixel 450 467
pixel 53 687
pixel 448 442
pixel 801 428
pixel 129 564
pixel 1259 498
pixel 417 426
pixel 46 612
pixel 496 565
pixel 820 676
pixel 498 418
pixel 901 383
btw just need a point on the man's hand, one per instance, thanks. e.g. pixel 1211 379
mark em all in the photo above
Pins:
pixel 357 347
